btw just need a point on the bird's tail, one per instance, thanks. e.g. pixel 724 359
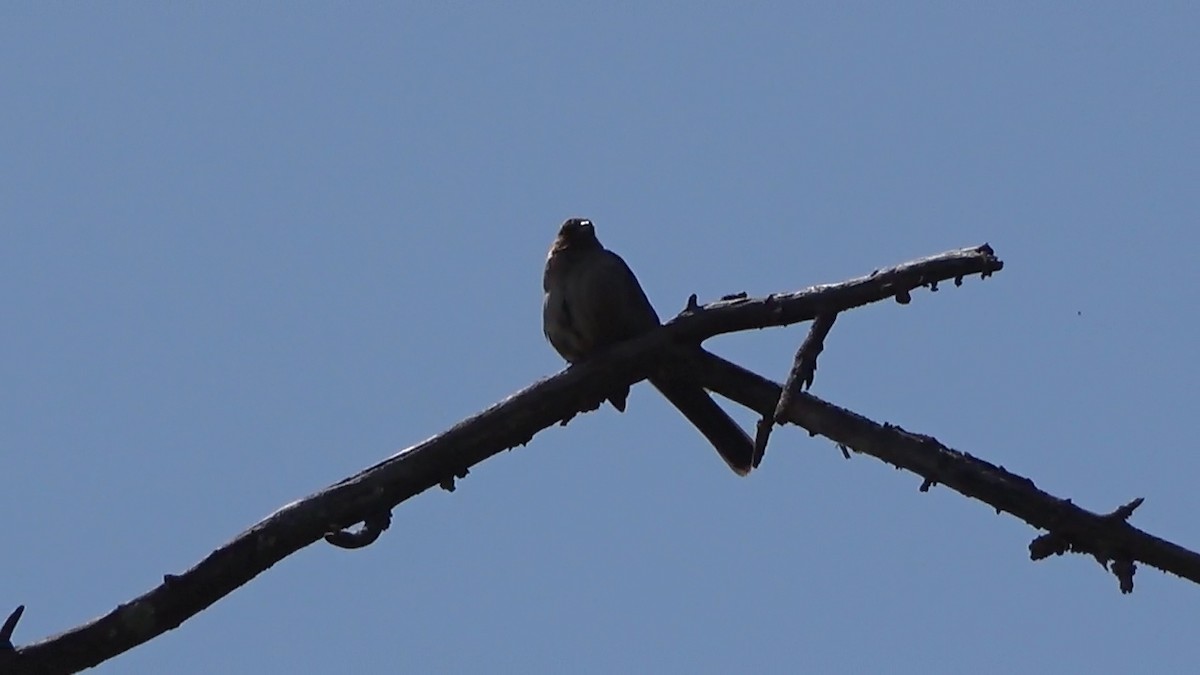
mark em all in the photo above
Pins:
pixel 733 444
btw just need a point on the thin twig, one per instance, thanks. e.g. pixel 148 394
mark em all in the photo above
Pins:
pixel 804 368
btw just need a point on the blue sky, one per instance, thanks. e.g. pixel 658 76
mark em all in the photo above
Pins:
pixel 248 252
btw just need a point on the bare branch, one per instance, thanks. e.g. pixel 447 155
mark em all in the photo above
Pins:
pixel 1107 537
pixel 441 459
pixel 788 308
pixel 804 368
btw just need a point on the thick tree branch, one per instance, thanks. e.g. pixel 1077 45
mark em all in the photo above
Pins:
pixel 439 460
pixel 1108 538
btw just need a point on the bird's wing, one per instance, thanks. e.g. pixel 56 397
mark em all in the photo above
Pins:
pixel 611 301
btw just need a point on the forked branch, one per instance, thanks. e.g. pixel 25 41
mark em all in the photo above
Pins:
pixel 371 494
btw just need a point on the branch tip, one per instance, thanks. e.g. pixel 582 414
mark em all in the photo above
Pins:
pixel 10 625
pixel 1122 513
pixel 1124 569
pixel 762 434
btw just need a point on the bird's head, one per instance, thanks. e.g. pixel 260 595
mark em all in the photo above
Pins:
pixel 576 232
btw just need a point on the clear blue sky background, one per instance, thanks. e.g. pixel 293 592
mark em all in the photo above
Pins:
pixel 248 252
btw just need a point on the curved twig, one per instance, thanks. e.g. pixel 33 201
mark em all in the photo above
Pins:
pixel 371 529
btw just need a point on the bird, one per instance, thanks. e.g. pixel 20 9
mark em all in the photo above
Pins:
pixel 592 301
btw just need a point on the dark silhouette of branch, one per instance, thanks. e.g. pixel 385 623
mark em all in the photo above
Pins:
pixel 10 624
pixel 1108 538
pixel 371 494
pixel 804 368
pixel 8 654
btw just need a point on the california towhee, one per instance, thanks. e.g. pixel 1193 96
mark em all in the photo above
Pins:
pixel 593 301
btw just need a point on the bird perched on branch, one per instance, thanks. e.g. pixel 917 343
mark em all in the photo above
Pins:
pixel 593 301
